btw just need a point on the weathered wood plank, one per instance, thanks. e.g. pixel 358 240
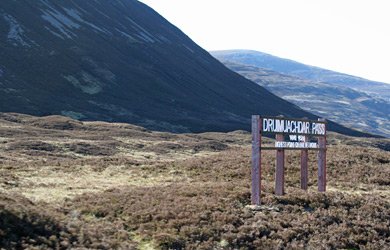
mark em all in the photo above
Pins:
pixel 322 162
pixel 279 173
pixel 304 167
pixel 256 160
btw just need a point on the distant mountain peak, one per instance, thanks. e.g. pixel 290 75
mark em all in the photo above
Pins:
pixel 294 68
pixel 349 100
pixel 121 61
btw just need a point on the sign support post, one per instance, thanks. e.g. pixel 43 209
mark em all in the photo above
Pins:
pixel 256 159
pixel 322 162
pixel 279 173
pixel 304 166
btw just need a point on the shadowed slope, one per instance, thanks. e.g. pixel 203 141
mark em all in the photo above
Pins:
pixel 121 61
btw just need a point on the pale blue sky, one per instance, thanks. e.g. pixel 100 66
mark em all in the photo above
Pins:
pixel 350 36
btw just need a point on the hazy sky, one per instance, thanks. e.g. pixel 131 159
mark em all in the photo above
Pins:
pixel 349 36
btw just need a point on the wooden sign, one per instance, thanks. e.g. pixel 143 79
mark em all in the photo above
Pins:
pixel 290 134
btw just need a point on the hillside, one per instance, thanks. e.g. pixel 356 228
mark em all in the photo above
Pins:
pixel 348 100
pixel 121 61
pixel 347 106
pixel 96 185
pixel 290 67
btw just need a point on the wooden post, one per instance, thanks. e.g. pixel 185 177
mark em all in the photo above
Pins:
pixel 322 162
pixel 279 174
pixel 304 167
pixel 256 159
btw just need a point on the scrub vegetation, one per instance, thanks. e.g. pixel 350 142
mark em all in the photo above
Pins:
pixel 69 184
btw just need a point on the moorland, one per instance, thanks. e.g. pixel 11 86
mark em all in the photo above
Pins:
pixel 70 184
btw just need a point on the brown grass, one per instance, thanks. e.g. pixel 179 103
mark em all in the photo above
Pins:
pixel 66 184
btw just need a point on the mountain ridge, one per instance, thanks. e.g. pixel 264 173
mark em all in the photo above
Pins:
pixel 121 61
pixel 352 107
pixel 306 71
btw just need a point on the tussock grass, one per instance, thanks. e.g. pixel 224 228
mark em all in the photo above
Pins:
pixel 66 184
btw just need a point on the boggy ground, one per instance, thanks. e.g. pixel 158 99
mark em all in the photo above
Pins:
pixel 67 184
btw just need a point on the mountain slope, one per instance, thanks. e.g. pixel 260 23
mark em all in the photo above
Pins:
pixel 341 104
pixel 121 61
pixel 290 67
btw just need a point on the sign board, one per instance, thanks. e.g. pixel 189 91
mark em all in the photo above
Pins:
pixel 297 133
pixel 290 134
pixel 280 125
